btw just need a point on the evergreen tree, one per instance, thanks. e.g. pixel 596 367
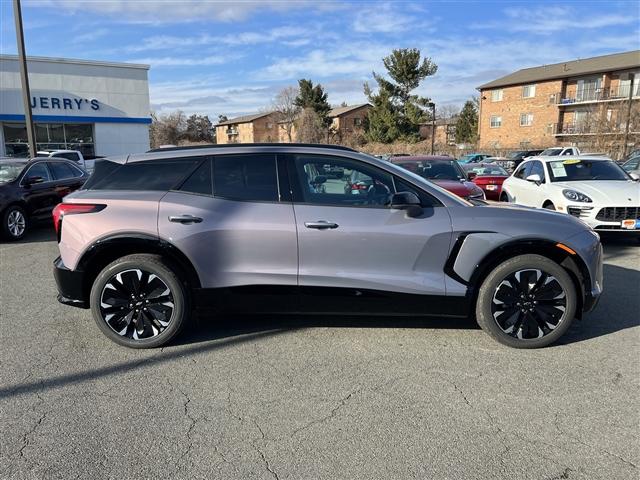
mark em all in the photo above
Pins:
pixel 467 124
pixel 394 103
pixel 199 128
pixel 315 98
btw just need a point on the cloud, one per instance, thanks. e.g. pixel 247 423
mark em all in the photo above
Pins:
pixel 385 18
pixel 174 11
pixel 552 19
pixel 91 35
pixel 183 61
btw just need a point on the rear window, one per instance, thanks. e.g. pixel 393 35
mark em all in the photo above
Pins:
pixel 246 177
pixel 159 175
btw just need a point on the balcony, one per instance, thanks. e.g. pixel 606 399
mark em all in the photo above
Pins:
pixel 590 95
pixel 587 129
pixel 232 131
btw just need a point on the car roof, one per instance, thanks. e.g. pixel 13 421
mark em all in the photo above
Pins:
pixel 422 158
pixel 481 165
pixel 551 158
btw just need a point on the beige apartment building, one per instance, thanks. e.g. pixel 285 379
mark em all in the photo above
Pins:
pixel 578 102
pixel 345 122
pixel 256 128
pixel 445 131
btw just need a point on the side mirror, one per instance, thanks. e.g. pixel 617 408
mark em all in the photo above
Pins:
pixel 471 175
pixel 319 180
pixel 635 176
pixel 408 201
pixel 33 180
pixel 535 178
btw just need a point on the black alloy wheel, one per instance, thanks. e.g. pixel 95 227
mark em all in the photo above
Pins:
pixel 529 304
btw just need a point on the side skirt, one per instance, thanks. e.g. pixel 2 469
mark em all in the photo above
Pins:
pixel 327 301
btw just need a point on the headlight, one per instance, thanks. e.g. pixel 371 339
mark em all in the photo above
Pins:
pixel 576 196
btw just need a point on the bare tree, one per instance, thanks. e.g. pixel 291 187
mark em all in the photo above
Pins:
pixel 309 127
pixel 168 129
pixel 287 109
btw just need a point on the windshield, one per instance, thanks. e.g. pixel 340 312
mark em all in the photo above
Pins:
pixel 466 158
pixel 10 171
pixel 439 170
pixel 517 154
pixel 551 152
pixel 574 170
pixel 486 170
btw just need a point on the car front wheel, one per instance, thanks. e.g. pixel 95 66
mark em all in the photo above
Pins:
pixel 14 223
pixel 139 301
pixel 528 301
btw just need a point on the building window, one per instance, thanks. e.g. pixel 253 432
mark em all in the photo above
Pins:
pixel 496 121
pixel 269 125
pixel 49 136
pixel 528 91
pixel 357 122
pixel 496 95
pixel 526 119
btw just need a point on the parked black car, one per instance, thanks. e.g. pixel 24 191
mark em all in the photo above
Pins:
pixel 30 189
pixel 514 159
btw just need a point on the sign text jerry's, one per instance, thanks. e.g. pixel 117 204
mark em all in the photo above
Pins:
pixel 63 103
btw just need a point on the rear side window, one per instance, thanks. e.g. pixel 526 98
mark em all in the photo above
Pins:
pixel 148 175
pixel 246 177
pixel 200 181
pixel 61 170
pixel 68 155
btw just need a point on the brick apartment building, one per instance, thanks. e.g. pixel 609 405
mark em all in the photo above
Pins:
pixel 256 128
pixel 445 132
pixel 345 121
pixel 576 102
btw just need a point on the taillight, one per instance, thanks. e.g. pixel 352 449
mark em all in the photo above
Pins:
pixel 359 186
pixel 63 209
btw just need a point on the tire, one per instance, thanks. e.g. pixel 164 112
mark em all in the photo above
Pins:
pixel 549 206
pixel 549 306
pixel 153 317
pixel 504 197
pixel 15 223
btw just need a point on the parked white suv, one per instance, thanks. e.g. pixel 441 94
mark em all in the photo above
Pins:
pixel 594 189
pixel 73 155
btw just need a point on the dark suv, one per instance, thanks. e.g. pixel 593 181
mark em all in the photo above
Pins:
pixel 247 229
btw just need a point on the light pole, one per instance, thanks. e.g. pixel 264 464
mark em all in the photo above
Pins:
pixel 628 124
pixel 26 94
pixel 433 124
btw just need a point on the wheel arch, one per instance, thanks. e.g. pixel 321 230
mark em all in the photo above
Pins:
pixel 572 263
pixel 108 249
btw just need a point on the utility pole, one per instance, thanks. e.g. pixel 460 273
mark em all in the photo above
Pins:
pixel 628 124
pixel 433 125
pixel 26 93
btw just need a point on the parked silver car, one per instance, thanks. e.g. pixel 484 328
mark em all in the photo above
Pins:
pixel 245 229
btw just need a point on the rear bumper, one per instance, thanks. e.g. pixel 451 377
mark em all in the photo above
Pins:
pixel 70 285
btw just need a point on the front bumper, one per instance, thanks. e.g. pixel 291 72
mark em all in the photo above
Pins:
pixel 70 284
pixel 625 224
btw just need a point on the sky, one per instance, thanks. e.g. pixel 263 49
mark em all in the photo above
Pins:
pixel 232 58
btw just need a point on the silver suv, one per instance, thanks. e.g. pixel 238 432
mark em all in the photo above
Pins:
pixel 266 228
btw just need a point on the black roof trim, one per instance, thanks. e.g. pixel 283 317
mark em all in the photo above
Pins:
pixel 237 145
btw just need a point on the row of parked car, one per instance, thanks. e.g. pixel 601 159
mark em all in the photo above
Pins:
pixel 592 188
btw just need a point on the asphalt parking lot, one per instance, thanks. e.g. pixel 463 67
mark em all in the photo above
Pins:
pixel 312 398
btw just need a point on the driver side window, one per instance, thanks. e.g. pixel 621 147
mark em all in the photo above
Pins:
pixel 338 181
pixel 523 171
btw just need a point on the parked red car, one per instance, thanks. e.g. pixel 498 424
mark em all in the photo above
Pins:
pixel 488 176
pixel 443 171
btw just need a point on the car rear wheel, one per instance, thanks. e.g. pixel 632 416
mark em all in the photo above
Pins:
pixel 14 223
pixel 528 301
pixel 138 301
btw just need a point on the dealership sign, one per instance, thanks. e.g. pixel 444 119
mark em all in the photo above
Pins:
pixel 64 103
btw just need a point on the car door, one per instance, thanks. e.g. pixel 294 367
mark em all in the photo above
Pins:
pixel 41 197
pixel 66 177
pixel 536 192
pixel 352 241
pixel 518 187
pixel 233 220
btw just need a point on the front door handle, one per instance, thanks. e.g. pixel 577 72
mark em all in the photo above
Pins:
pixel 184 219
pixel 321 225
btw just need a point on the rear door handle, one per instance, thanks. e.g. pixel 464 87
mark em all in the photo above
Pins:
pixel 185 219
pixel 321 225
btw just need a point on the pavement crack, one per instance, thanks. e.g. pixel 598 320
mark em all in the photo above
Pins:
pixel 263 457
pixel 563 476
pixel 604 451
pixel 192 422
pixel 26 438
pixel 343 401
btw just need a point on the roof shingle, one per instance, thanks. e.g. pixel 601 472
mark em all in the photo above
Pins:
pixel 585 66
